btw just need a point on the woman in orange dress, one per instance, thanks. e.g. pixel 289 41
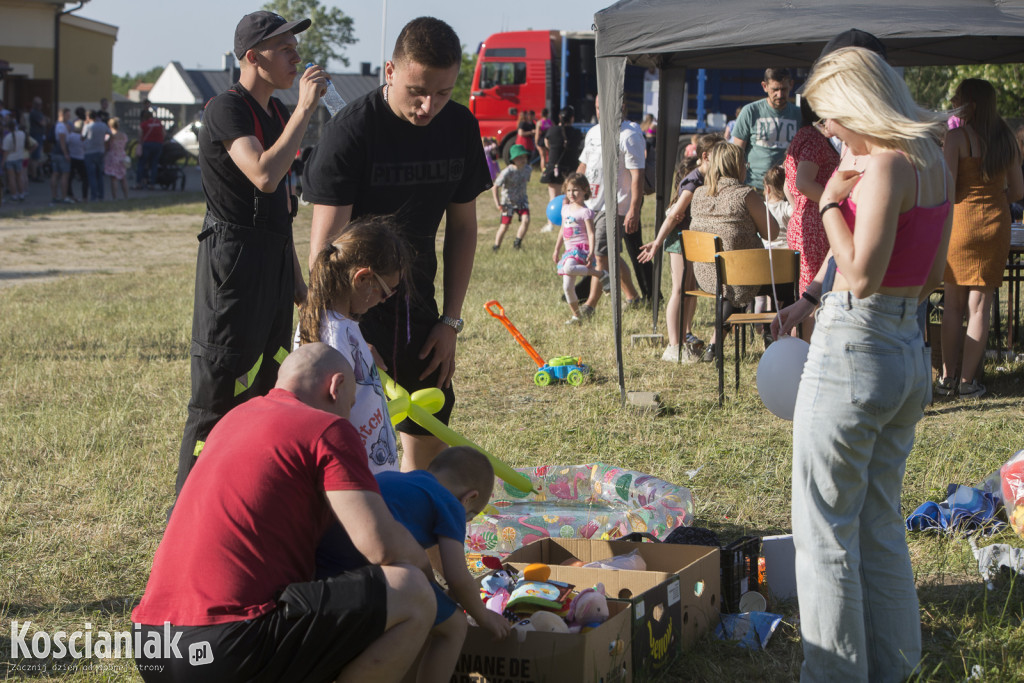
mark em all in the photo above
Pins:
pixel 983 157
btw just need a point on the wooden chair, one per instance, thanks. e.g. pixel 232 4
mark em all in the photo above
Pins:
pixel 698 247
pixel 749 267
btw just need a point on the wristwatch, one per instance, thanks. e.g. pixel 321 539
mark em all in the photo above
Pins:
pixel 454 323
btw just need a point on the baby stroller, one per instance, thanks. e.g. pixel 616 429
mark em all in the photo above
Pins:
pixel 169 171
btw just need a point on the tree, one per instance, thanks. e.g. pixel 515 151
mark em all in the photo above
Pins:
pixel 326 38
pixel 122 84
pixel 932 86
pixel 460 93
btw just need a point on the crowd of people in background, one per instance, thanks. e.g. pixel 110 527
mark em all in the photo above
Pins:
pixel 788 158
pixel 78 153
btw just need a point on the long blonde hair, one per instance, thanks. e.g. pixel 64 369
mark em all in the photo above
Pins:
pixel 687 164
pixel 725 160
pixel 856 88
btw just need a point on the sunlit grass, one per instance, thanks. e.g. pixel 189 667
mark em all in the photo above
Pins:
pixel 94 385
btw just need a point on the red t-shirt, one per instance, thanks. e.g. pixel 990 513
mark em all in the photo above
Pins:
pixel 151 130
pixel 249 518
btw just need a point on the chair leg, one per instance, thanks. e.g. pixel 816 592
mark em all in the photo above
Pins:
pixel 720 362
pixel 719 355
pixel 736 348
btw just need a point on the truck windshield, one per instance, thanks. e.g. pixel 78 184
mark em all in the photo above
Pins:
pixel 493 74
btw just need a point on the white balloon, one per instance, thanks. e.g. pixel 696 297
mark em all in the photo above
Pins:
pixel 778 375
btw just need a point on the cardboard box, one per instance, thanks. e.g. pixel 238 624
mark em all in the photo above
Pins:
pixel 602 654
pixel 673 601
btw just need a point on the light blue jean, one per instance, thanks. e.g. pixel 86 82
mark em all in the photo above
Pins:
pixel 864 388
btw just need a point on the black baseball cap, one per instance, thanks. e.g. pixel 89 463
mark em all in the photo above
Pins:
pixel 854 37
pixel 254 28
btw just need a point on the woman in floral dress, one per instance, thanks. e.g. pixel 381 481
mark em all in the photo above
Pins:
pixel 115 160
pixel 810 161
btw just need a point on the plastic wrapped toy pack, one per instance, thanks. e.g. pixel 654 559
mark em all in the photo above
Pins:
pixel 578 501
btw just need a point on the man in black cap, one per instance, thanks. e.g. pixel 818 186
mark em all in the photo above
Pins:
pixel 247 273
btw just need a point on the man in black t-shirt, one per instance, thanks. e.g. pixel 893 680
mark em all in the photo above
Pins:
pixel 406 149
pixel 247 272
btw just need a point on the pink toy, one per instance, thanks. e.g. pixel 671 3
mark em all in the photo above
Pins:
pixel 496 603
pixel 589 610
pixel 545 622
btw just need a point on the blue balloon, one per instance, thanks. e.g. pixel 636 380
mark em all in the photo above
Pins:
pixel 555 209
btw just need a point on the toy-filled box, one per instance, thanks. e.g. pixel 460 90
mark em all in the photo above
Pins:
pixel 601 654
pixel 673 601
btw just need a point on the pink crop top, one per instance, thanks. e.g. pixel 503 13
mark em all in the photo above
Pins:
pixel 918 233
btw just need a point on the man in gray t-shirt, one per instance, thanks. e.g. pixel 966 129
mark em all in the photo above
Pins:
pixel 94 136
pixel 766 127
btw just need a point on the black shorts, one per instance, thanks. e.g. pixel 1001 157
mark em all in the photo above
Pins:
pixel 404 363
pixel 317 628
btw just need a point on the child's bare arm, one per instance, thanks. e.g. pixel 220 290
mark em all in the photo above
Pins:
pixel 465 590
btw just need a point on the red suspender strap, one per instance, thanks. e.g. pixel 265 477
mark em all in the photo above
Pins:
pixel 258 132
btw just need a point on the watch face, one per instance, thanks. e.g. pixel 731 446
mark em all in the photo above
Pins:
pixel 458 325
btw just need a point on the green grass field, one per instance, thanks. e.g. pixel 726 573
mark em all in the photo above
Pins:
pixel 94 385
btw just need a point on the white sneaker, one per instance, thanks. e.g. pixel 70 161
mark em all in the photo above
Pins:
pixel 573 321
pixel 672 355
pixel 548 228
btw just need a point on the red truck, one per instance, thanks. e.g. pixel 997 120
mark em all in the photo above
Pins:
pixel 535 70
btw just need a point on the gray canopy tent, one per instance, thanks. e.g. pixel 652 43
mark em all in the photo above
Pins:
pixel 674 35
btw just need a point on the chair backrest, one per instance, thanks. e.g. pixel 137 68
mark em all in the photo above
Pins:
pixel 700 247
pixel 751 266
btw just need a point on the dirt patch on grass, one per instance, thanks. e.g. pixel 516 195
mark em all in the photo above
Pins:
pixel 52 245
pixel 59 243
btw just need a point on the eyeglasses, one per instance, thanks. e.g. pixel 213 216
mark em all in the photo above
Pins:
pixel 822 126
pixel 385 290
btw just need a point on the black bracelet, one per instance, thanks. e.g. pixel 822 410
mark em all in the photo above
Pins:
pixel 830 205
pixel 810 297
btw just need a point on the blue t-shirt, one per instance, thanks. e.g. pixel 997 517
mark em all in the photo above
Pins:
pixel 423 506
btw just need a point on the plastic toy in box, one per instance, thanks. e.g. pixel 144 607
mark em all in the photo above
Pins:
pixel 576 501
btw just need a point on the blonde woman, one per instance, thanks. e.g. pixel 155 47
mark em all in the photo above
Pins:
pixel 867 376
pixel 677 218
pixel 723 205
